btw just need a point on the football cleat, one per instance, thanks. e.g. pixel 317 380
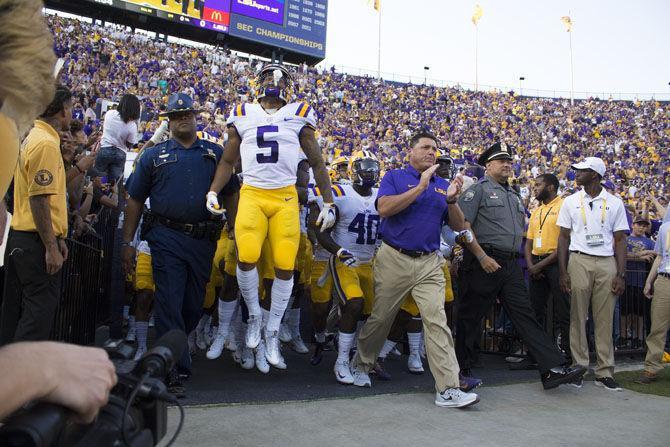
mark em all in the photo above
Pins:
pixel 247 360
pixel 343 373
pixel 414 363
pixel 298 345
pixel 140 352
pixel 318 354
pixel 130 336
pixel 272 352
pixel 261 362
pixel 284 333
pixel 253 337
pixel 216 348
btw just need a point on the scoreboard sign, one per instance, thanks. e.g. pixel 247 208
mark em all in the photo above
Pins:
pixel 295 25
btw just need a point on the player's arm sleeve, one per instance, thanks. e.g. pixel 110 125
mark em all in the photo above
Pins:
pixel 564 220
pixel 43 164
pixel 469 203
pixel 139 182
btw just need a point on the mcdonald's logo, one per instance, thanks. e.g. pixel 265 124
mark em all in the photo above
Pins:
pixel 216 16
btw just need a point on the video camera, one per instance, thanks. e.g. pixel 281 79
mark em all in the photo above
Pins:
pixel 135 415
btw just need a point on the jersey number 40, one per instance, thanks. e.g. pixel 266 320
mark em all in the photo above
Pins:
pixel 263 143
pixel 366 227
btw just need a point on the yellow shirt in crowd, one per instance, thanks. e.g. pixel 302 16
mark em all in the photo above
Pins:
pixel 542 228
pixel 40 171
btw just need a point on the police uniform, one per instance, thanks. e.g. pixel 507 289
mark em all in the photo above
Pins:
pixel 178 230
pixel 497 217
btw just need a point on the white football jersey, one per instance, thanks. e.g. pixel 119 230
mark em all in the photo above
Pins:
pixel 270 149
pixel 357 225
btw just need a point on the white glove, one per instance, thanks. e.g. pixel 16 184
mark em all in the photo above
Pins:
pixel 159 134
pixel 347 258
pixel 326 217
pixel 213 204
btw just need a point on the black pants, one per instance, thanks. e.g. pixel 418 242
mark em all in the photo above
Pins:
pixel 540 290
pixel 31 295
pixel 478 291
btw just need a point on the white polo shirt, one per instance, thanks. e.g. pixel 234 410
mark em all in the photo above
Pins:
pixel 117 133
pixel 587 218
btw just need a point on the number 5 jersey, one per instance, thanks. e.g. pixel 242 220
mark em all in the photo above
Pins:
pixel 270 148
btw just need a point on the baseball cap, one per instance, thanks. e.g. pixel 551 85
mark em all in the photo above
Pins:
pixel 608 184
pixel 593 163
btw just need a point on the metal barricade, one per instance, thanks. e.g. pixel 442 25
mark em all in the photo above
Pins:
pixel 75 320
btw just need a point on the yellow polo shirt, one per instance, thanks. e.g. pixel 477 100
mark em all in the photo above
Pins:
pixel 40 171
pixel 542 229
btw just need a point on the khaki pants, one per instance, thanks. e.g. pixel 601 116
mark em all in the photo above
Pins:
pixel 395 276
pixel 660 322
pixel 591 284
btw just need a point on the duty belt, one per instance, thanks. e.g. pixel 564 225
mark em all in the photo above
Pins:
pixel 198 230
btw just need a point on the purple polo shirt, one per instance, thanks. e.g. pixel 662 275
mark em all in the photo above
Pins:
pixel 418 226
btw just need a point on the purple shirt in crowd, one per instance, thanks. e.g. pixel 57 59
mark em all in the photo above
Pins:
pixel 418 226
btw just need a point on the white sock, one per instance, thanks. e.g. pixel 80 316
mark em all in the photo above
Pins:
pixel 388 347
pixel 141 329
pixel 344 344
pixel 320 337
pixel 414 341
pixel 240 333
pixel 288 308
pixel 281 293
pixel 248 282
pixel 226 311
pixel 293 321
pixel 131 322
pixel 126 311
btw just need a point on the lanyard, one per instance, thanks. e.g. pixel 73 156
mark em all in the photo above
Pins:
pixel 602 214
pixel 542 221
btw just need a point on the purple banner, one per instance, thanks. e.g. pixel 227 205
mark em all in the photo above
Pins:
pixel 268 10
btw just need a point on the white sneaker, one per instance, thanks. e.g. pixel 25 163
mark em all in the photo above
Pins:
pixel 230 344
pixel 211 334
pixel 414 363
pixel 360 378
pixel 272 352
pixel 284 333
pixel 343 373
pixel 141 350
pixel 216 348
pixel 455 398
pixel 247 360
pixel 130 336
pixel 395 351
pixel 281 364
pixel 253 337
pixel 298 345
pixel 261 362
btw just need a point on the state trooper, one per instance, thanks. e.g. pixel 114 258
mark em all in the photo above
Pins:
pixel 175 175
pixel 490 270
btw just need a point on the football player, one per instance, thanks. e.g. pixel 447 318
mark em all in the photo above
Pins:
pixel 340 170
pixel 268 136
pixel 352 242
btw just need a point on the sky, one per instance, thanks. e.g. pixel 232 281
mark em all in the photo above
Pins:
pixel 619 47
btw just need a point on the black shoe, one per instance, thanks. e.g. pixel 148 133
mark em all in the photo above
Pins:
pixel 175 385
pixel 380 371
pixel 524 365
pixel 318 354
pixel 608 383
pixel 562 374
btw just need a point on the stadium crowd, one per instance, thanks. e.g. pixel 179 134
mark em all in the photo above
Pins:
pixel 102 65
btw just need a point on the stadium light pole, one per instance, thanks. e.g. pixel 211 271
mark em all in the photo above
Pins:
pixel 476 57
pixel 379 42
pixel 521 78
pixel 425 75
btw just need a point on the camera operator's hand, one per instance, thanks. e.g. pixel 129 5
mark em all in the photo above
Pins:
pixel 76 377
pixel 79 378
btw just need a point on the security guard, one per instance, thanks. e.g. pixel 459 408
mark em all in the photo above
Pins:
pixel 493 210
pixel 175 175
